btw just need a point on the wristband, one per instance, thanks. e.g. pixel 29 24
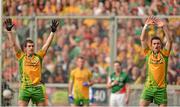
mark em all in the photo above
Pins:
pixel 85 84
pixel 145 26
pixel 71 99
pixel 112 84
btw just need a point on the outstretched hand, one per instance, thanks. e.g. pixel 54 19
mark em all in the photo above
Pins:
pixel 8 24
pixel 150 20
pixel 159 23
pixel 54 25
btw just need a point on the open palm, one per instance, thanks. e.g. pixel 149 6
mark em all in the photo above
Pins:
pixel 159 23
pixel 8 24
pixel 150 20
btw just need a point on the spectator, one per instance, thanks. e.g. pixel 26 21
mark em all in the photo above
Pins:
pixel 90 36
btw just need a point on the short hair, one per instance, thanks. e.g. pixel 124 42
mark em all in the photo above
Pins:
pixel 156 38
pixel 116 61
pixel 27 41
pixel 81 57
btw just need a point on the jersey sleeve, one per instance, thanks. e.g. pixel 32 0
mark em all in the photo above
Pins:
pixel 41 53
pixel 90 75
pixel 165 52
pixel 19 54
pixel 146 51
pixel 127 80
pixel 71 76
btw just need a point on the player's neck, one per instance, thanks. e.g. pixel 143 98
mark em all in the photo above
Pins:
pixel 81 68
pixel 117 73
pixel 29 55
pixel 155 53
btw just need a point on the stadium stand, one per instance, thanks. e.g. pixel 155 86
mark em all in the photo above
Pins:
pixel 90 37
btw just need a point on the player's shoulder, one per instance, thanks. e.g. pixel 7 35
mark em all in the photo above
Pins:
pixel 147 51
pixel 74 69
pixel 40 51
pixel 165 52
pixel 124 73
pixel 112 74
pixel 20 55
pixel 87 69
pixel 77 70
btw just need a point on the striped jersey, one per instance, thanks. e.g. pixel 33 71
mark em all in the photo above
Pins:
pixel 156 67
pixel 30 67
pixel 78 77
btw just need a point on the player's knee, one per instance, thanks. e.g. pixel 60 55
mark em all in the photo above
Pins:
pixel 141 104
pixel 162 105
pixel 144 103
pixel 40 104
pixel 22 103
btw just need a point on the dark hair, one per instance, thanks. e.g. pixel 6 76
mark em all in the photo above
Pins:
pixel 116 61
pixel 81 57
pixel 156 38
pixel 27 41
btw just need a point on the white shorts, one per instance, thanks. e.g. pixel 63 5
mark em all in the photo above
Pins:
pixel 117 100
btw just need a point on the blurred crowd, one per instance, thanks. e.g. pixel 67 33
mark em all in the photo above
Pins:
pixel 91 37
pixel 90 7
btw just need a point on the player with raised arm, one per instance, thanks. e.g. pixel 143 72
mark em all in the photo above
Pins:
pixel 155 89
pixel 30 66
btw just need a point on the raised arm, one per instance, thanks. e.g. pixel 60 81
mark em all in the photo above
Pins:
pixel 149 20
pixel 51 36
pixel 161 23
pixel 9 25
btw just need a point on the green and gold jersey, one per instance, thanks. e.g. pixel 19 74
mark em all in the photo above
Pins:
pixel 78 77
pixel 156 68
pixel 30 68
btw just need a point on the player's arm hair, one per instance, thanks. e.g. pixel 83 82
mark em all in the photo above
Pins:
pixel 109 83
pixel 168 38
pixel 70 87
pixel 48 42
pixel 91 82
pixel 144 38
pixel 128 90
pixel 13 42
pixel 70 84
pixel 51 36
pixel 9 25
